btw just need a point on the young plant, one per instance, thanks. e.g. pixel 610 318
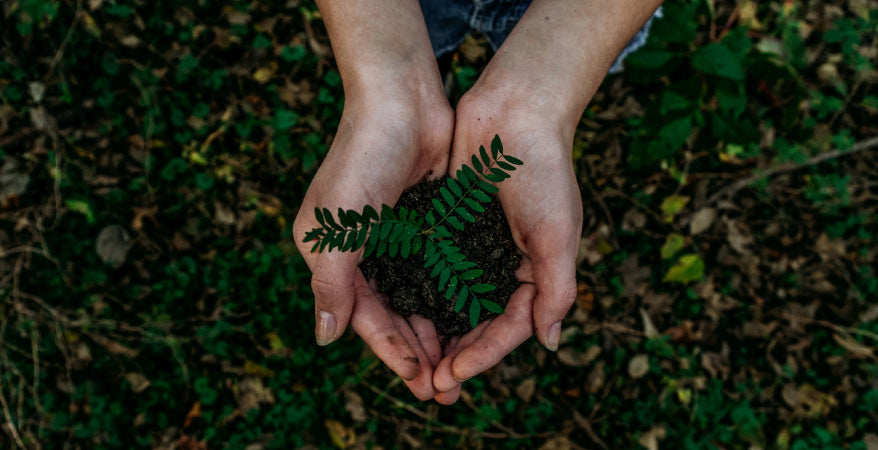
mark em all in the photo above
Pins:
pixel 404 233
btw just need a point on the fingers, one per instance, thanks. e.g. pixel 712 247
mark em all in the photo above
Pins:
pixel 333 286
pixel 427 337
pixel 374 323
pixel 484 346
pixel 422 385
pixel 555 280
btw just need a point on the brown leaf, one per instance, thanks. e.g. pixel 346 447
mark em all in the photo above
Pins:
pixel 526 388
pixel 354 406
pixel 702 220
pixel 854 348
pixel 113 347
pixel 113 244
pixel 557 443
pixel 138 381
pixel 596 378
pixel 194 413
pixel 650 438
pixel 638 367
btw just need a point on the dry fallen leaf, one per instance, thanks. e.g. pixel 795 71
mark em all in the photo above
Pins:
pixel 638 366
pixel 138 381
pixel 113 244
pixel 702 220
pixel 650 438
pixel 526 389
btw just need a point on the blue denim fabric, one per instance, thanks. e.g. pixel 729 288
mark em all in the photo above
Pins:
pixel 450 21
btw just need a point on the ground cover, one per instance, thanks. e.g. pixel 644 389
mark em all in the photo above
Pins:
pixel 154 154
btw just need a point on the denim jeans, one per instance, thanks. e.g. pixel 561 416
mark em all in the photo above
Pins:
pixel 450 21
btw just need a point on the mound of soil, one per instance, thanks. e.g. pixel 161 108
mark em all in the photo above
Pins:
pixel 408 285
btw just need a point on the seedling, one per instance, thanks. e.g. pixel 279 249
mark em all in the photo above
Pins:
pixel 405 233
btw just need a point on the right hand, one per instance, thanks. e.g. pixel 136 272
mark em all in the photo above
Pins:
pixel 382 147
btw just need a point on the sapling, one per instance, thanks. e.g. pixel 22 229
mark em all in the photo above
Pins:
pixel 404 233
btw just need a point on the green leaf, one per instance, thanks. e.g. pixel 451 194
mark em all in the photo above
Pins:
pixel 505 165
pixel 716 59
pixel 356 217
pixel 484 155
pixel 441 232
pixel 471 274
pixel 688 268
pixel 474 205
pixel 513 160
pixel 349 241
pixel 337 241
pixel 446 195
pixel 491 306
pixel 393 248
pixel 480 195
pixel 463 265
pixel 345 220
pixel 470 173
pixel 431 260
pixel 454 186
pixel 503 175
pixel 496 146
pixel 483 288
pixel 454 258
pixel 387 213
pixel 673 243
pixel 475 309
pixel 437 269
pixel 452 286
pixel 437 205
pixel 319 215
pixel 463 178
pixel 476 164
pixel 315 247
pixel 382 248
pixel 443 277
pixel 405 248
pixel 397 231
pixel 487 187
pixel 463 213
pixel 385 229
pixel 454 222
pixel 361 236
pixel 417 242
pixel 461 299
pixel 313 235
pixel 370 213
pixel 493 178
pixel 330 221
pixel 430 218
pixel 672 205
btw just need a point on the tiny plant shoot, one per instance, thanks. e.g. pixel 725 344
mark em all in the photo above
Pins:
pixel 404 233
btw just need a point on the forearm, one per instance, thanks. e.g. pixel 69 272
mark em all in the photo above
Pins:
pixel 382 48
pixel 560 51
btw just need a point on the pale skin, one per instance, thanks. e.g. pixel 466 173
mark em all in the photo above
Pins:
pixel 397 127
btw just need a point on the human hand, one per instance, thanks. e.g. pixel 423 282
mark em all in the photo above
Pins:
pixel 543 205
pixel 382 147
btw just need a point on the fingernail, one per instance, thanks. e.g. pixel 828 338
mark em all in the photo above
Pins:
pixel 553 337
pixel 325 328
pixel 459 380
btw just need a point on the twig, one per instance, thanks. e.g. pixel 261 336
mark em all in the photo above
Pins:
pixel 10 424
pixel 789 167
pixel 63 46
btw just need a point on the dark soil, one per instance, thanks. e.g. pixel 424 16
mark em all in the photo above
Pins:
pixel 408 285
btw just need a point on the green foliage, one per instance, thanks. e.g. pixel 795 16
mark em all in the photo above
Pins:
pixel 403 233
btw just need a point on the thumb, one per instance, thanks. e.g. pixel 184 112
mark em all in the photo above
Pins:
pixel 333 286
pixel 555 280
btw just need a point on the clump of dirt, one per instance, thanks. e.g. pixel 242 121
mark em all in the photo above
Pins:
pixel 408 285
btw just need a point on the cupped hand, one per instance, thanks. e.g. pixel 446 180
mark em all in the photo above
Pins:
pixel 543 205
pixel 381 148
